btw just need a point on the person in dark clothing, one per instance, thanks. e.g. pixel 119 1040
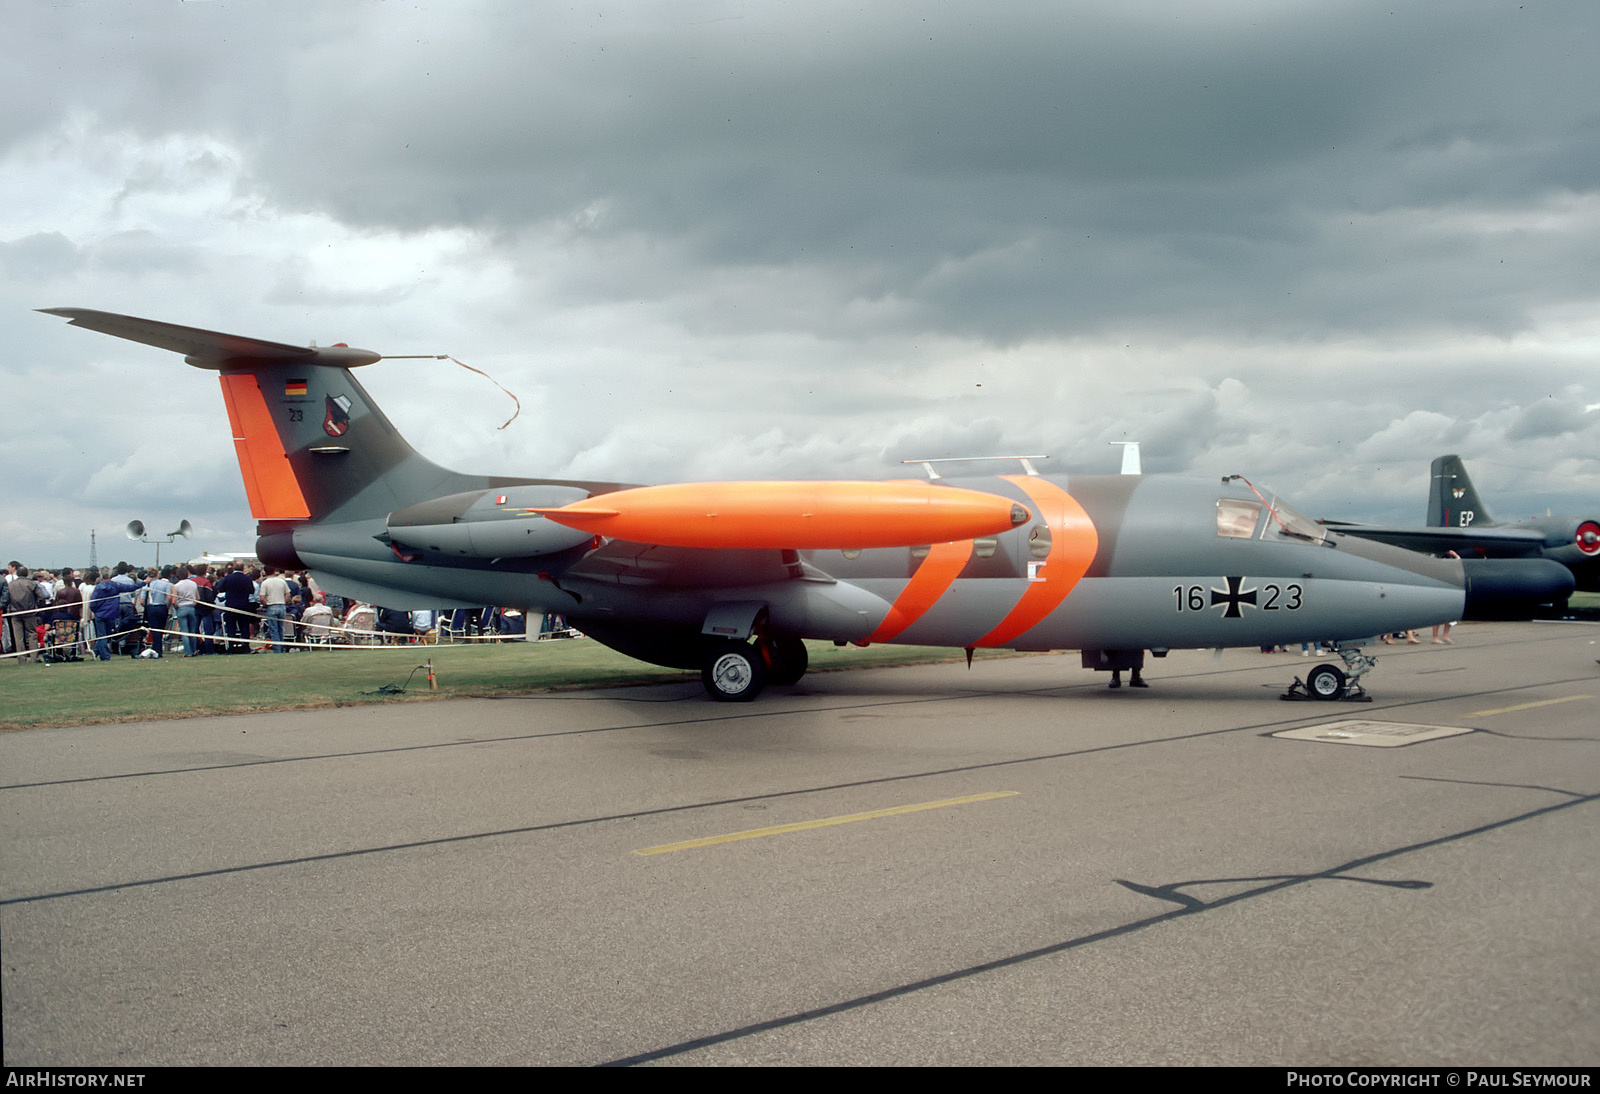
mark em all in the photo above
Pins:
pixel 395 625
pixel 234 592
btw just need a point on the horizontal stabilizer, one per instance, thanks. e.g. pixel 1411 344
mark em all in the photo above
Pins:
pixel 209 348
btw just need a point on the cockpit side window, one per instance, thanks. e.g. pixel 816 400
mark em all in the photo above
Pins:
pixel 1237 519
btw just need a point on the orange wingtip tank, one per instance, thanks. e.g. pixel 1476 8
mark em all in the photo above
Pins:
pixel 798 515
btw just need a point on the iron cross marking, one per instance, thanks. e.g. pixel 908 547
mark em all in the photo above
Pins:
pixel 1233 596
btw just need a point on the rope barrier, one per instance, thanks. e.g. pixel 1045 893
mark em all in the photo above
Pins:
pixel 13 612
pixel 87 643
pixel 78 643
pixel 262 640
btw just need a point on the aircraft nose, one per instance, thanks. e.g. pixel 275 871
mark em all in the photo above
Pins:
pixel 1510 588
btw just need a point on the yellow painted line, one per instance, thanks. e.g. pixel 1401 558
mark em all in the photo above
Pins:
pixel 1528 706
pixel 825 822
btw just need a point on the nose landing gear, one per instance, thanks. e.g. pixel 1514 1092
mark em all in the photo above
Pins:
pixel 1329 682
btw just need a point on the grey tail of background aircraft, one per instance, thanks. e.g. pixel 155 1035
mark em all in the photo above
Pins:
pixel 1459 523
pixel 1453 501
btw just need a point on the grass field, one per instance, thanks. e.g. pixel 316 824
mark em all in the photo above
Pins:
pixel 126 690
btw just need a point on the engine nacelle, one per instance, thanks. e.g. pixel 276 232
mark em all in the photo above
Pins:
pixel 1576 537
pixel 1575 543
pixel 493 523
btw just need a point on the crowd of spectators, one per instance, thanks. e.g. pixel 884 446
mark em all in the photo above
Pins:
pixel 199 610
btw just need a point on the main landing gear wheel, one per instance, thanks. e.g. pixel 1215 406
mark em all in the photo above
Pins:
pixel 733 673
pixel 1325 682
pixel 787 661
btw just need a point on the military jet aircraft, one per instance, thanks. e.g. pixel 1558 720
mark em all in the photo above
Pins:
pixel 730 577
pixel 1459 521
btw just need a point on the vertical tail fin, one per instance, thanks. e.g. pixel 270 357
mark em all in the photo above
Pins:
pixel 313 445
pixel 1453 501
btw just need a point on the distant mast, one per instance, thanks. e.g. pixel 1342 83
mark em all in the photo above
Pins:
pixel 93 564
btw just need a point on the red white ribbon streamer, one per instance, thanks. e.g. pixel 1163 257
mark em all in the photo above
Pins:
pixel 496 383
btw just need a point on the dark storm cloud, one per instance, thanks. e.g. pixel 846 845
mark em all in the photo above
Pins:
pixel 1005 172
pixel 1010 175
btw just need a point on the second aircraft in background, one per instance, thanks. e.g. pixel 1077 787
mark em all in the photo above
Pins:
pixel 1459 521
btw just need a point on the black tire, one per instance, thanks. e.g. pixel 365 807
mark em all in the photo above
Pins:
pixel 789 661
pixel 1325 682
pixel 733 673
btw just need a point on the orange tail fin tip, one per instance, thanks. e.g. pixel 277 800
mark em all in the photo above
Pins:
pixel 269 481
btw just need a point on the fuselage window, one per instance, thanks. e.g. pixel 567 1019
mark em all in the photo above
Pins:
pixel 921 552
pixel 851 552
pixel 1236 519
pixel 985 547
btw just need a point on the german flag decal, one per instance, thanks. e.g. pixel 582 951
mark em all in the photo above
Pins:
pixel 294 387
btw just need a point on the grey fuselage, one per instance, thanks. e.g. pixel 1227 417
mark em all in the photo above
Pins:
pixel 1124 562
pixel 1162 575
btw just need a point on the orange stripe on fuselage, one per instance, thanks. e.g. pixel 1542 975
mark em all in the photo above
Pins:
pixel 1073 542
pixel 938 571
pixel 269 481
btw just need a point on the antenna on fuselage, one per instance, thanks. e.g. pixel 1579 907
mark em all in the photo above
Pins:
pixel 1130 457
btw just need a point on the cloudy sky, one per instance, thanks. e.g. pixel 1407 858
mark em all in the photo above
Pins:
pixel 1313 243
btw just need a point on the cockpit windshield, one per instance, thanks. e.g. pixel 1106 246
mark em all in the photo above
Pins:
pixel 1287 522
pixel 1239 518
